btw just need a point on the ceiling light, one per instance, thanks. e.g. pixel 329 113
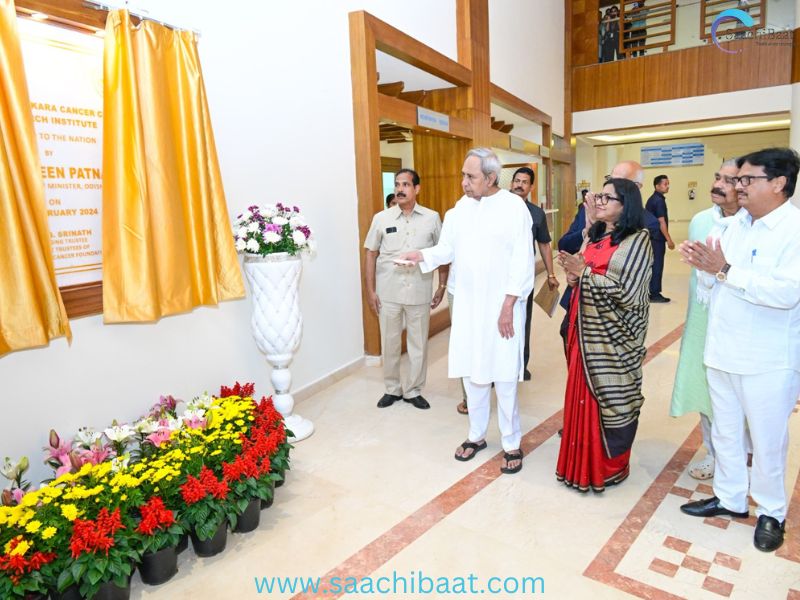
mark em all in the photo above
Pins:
pixel 727 128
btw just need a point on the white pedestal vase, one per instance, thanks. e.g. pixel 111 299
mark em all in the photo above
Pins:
pixel 277 325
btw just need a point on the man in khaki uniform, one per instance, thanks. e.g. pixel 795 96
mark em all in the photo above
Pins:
pixel 401 293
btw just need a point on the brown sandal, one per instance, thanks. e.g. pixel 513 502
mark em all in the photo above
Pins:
pixel 462 408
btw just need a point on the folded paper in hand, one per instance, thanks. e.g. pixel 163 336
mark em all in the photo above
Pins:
pixel 547 299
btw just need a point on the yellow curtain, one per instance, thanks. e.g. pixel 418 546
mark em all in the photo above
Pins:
pixel 31 310
pixel 167 239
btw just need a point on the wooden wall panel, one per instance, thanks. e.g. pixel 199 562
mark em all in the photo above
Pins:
pixel 437 159
pixel 681 74
pixel 585 24
pixel 796 56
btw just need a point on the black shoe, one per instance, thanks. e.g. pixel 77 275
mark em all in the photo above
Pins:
pixel 769 534
pixel 658 299
pixel 526 376
pixel 388 400
pixel 418 401
pixel 710 508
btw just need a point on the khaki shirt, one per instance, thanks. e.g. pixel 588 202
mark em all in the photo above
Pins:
pixel 391 234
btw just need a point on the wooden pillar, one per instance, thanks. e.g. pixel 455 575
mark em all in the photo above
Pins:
pixel 367 141
pixel 472 25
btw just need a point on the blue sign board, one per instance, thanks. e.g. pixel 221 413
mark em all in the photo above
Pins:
pixel 673 155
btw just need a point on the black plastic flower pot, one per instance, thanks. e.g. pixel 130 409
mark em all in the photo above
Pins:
pixel 159 567
pixel 71 593
pixel 268 503
pixel 111 591
pixel 183 543
pixel 213 545
pixel 282 480
pixel 250 518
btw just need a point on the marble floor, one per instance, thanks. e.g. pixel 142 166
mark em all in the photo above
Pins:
pixel 376 493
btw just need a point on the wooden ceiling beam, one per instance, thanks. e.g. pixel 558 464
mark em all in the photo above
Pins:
pixel 405 113
pixel 391 89
pixel 391 40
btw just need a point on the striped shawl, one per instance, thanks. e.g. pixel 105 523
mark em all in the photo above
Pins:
pixel 612 325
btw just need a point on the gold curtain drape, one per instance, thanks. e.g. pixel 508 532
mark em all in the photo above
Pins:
pixel 167 240
pixel 31 310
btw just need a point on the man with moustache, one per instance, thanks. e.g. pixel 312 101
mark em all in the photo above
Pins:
pixel 690 391
pixel 521 184
pixel 487 237
pixel 398 295
pixel 752 351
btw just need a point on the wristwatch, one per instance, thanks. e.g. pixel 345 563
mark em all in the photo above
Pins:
pixel 722 276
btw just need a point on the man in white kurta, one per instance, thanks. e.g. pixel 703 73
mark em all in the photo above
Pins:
pixel 488 240
pixel 752 350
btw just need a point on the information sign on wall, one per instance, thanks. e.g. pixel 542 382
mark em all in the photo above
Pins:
pixel 672 155
pixel 64 70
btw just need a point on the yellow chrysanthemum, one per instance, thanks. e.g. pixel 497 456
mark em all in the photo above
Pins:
pixel 30 499
pixel 70 512
pixel 33 526
pixel 20 549
pixel 48 532
pixel 27 515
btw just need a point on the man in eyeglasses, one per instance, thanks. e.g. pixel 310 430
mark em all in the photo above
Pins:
pixel 752 351
pixel 690 391
pixel 660 239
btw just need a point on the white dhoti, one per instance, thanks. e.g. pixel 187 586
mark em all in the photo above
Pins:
pixel 764 402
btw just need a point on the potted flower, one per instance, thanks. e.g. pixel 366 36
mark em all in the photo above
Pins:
pixel 207 512
pixel 102 557
pixel 271 238
pixel 157 537
pixel 273 229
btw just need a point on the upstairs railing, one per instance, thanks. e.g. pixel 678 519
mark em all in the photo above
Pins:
pixel 645 26
pixel 733 28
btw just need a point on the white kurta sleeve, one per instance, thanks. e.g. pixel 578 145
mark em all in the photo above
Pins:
pixel 444 251
pixel 776 288
pixel 522 267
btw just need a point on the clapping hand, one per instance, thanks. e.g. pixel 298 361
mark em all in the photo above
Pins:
pixel 706 257
pixel 573 264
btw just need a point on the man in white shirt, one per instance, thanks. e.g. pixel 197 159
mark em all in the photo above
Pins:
pixel 488 239
pixel 752 350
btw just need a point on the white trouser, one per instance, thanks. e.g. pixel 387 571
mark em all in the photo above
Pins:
pixel 478 402
pixel 705 427
pixel 765 401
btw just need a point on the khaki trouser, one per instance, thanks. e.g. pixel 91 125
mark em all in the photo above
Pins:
pixel 417 319
pixel 450 308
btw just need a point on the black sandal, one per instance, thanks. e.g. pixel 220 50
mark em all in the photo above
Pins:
pixel 470 446
pixel 508 458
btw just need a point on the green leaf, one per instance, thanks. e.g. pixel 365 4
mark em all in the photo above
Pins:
pixel 78 569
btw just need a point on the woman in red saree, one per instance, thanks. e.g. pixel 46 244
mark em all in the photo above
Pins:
pixel 608 317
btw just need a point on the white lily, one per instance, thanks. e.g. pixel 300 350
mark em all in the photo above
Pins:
pixel 87 436
pixel 119 433
pixel 145 426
